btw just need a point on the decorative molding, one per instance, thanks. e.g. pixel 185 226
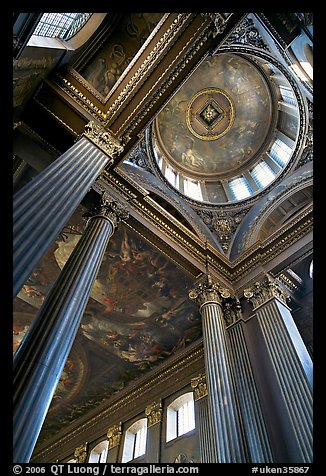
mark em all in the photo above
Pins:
pixel 104 140
pixel 208 290
pixel 154 413
pixel 218 21
pixel 138 156
pixel 80 453
pixel 246 33
pixel 80 98
pixel 143 71
pixel 262 292
pixel 223 223
pixel 198 384
pixel 114 435
pixel 308 150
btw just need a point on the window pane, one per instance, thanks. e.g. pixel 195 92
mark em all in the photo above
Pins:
pixel 262 174
pixel 280 152
pixel 186 418
pixel 140 442
pixel 287 95
pixel 240 188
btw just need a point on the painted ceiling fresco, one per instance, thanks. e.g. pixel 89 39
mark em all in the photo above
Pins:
pixel 219 119
pixel 137 316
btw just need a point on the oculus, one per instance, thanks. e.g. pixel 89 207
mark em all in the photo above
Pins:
pixel 210 114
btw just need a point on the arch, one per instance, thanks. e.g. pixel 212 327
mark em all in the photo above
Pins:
pixel 252 224
pixel 99 453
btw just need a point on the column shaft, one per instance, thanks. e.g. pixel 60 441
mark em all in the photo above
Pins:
pixel 225 420
pixel 43 206
pixel 203 419
pixel 39 361
pixel 289 373
pixel 252 417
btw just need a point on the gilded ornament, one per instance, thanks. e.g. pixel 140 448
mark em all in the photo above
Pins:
pixel 114 434
pixel 104 140
pixel 80 453
pixel 154 413
pixel 199 386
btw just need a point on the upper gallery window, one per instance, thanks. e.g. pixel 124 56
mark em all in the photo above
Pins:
pixel 180 416
pixel 135 441
pixel 99 453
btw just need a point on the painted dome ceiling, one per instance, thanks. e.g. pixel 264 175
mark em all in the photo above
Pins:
pixel 213 139
pixel 219 120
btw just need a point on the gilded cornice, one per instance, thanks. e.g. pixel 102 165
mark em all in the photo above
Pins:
pixel 114 435
pixel 154 413
pixel 198 384
pixel 256 255
pixel 77 95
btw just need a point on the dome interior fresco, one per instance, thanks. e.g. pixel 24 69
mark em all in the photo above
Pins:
pixel 235 95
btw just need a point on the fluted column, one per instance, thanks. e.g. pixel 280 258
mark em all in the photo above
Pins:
pixel 251 412
pixel 39 360
pixel 227 437
pixel 114 435
pixel 42 207
pixel 290 363
pixel 154 431
pixel 203 420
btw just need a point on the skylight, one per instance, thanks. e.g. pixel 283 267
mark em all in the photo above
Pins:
pixel 61 25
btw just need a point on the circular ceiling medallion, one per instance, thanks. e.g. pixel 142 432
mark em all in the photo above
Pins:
pixel 210 114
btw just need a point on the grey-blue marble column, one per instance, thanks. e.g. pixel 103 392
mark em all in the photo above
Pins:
pixel 227 432
pixel 291 364
pixel 41 356
pixel 252 416
pixel 43 206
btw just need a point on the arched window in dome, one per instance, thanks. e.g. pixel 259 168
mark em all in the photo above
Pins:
pixel 61 25
pixel 240 188
pixel 280 152
pixel 262 174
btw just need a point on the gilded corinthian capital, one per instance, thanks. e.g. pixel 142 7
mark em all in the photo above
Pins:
pixel 198 384
pixel 80 453
pixel 104 140
pixel 263 291
pixel 114 434
pixel 154 413
pixel 208 290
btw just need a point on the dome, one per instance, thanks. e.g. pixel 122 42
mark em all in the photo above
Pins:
pixel 215 139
